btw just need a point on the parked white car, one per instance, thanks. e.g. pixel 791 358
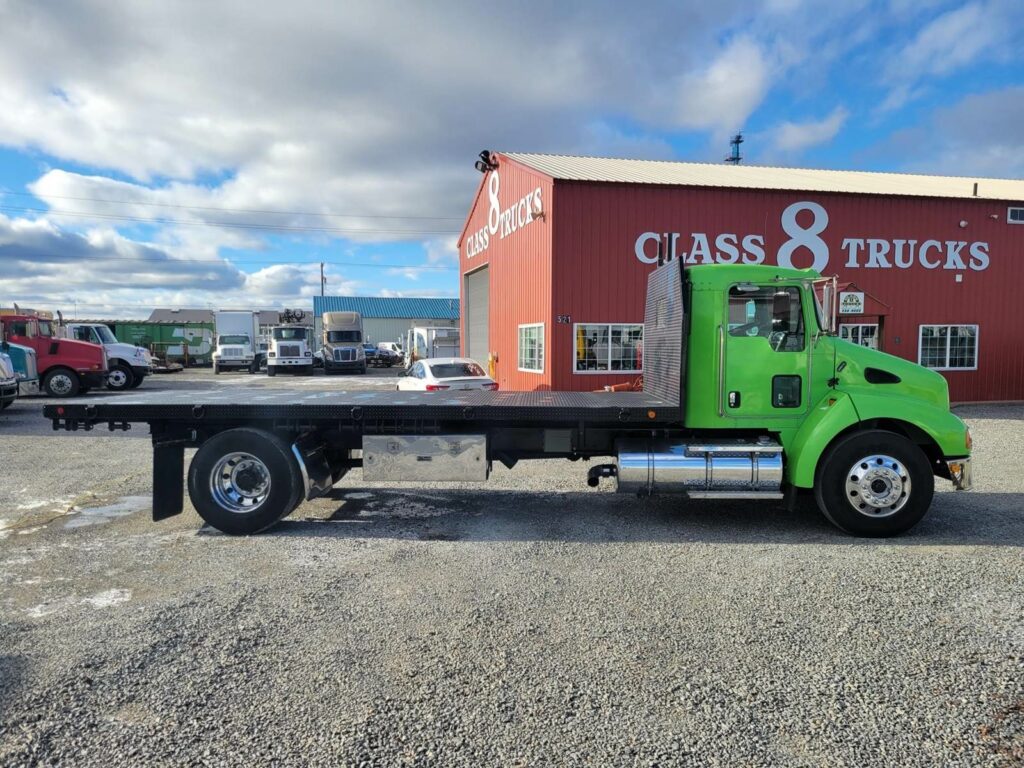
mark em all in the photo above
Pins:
pixel 441 373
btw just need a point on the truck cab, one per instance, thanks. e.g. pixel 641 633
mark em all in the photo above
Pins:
pixel 343 343
pixel 237 341
pixel 26 370
pixel 127 364
pixel 290 350
pixel 67 367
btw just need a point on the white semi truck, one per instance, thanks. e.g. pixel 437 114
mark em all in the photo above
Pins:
pixel 291 349
pixel 237 337
pixel 422 343
pixel 127 364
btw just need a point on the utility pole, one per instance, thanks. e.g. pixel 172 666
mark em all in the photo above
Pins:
pixel 323 279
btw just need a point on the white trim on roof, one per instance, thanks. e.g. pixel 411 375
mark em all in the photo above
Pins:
pixel 604 169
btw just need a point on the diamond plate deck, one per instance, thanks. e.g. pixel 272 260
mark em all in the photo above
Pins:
pixel 542 408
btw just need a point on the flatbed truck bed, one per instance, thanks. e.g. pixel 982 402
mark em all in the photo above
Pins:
pixel 748 394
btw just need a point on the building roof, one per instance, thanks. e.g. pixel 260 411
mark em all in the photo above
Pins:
pixel 267 316
pixel 393 308
pixel 604 169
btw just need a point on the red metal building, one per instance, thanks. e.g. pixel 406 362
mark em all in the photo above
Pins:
pixel 556 251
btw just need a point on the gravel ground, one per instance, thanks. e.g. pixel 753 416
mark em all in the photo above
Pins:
pixel 536 622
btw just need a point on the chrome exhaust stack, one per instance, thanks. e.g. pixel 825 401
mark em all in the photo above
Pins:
pixel 719 470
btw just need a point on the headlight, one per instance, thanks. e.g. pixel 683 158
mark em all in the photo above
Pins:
pixel 308 353
pixel 271 354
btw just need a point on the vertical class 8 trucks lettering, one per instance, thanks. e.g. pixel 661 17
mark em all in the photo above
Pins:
pixel 748 394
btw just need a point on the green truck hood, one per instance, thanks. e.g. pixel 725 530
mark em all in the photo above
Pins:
pixel 877 372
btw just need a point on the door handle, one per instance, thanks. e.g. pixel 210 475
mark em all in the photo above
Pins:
pixel 721 371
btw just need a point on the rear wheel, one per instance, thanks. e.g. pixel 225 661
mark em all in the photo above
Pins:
pixel 244 480
pixel 875 483
pixel 120 378
pixel 61 382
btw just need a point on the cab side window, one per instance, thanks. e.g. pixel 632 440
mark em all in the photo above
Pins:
pixel 82 334
pixel 18 328
pixel 773 313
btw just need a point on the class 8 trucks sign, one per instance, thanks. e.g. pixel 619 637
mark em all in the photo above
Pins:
pixel 806 224
pixel 502 222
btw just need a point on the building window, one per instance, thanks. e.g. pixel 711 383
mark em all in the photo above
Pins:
pixel 531 348
pixel 609 348
pixel 865 334
pixel 948 347
pixel 1015 215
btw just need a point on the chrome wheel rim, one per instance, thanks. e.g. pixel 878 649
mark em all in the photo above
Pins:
pixel 240 482
pixel 61 384
pixel 878 486
pixel 117 378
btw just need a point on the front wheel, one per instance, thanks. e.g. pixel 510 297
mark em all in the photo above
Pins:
pixel 244 480
pixel 61 383
pixel 120 378
pixel 875 483
pixel 271 370
pixel 216 369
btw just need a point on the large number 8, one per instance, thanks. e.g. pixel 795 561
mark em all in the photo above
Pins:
pixel 807 238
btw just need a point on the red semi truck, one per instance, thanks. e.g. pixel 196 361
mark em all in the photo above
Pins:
pixel 66 367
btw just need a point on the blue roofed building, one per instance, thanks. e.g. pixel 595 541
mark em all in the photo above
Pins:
pixel 388 318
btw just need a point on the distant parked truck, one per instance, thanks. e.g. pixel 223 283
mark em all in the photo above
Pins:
pixel 189 343
pixel 237 335
pixel 26 371
pixel 427 342
pixel 128 364
pixel 343 342
pixel 8 381
pixel 67 367
pixel 291 349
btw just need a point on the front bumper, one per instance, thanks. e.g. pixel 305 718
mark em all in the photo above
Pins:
pixel 960 473
pixel 234 362
pixel 8 390
pixel 348 365
pixel 290 362
pixel 141 371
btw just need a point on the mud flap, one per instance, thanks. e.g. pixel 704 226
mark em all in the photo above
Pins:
pixel 168 480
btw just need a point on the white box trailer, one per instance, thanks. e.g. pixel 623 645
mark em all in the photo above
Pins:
pixel 422 343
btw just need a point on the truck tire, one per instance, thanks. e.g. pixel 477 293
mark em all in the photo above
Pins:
pixel 874 483
pixel 244 480
pixel 271 370
pixel 120 377
pixel 61 382
pixel 137 382
pixel 308 371
pixel 362 370
pixel 216 369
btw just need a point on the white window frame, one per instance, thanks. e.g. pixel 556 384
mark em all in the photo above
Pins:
pixel 575 326
pixel 542 350
pixel 977 344
pixel 861 325
pixel 1010 210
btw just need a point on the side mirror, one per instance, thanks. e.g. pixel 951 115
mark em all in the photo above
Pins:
pixel 5 346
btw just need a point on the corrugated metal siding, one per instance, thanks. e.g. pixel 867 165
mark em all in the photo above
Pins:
pixel 389 307
pixel 520 275
pixel 604 169
pixel 596 276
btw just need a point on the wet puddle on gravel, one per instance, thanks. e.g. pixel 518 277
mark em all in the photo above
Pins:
pixel 127 505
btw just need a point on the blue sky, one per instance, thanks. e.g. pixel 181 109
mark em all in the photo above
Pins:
pixel 150 157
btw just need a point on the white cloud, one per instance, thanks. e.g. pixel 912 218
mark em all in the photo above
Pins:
pixel 792 138
pixel 721 97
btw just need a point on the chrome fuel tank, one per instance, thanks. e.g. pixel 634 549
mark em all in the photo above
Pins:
pixel 723 469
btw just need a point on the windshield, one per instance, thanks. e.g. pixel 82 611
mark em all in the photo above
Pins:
pixel 234 340
pixel 290 334
pixel 105 334
pixel 341 337
pixel 456 370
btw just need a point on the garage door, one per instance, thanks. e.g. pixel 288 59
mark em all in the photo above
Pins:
pixel 477 309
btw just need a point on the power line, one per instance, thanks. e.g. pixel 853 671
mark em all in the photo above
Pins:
pixel 174 260
pixel 233 210
pixel 233 225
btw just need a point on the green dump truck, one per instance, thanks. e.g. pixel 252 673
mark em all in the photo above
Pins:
pixel 747 394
